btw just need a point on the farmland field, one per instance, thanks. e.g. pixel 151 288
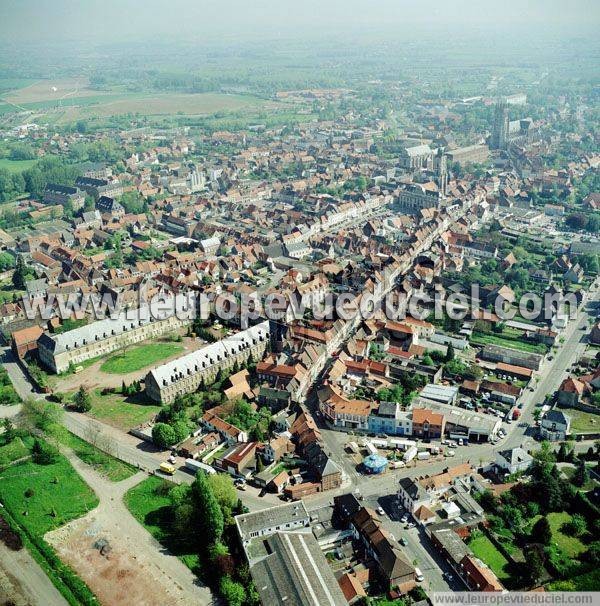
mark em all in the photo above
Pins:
pixel 74 99
pixel 43 90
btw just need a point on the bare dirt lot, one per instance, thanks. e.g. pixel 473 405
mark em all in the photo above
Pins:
pixel 135 568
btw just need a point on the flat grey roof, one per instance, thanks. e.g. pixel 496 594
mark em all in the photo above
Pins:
pixel 269 518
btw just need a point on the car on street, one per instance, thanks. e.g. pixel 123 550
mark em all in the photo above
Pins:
pixel 403 542
pixel 410 525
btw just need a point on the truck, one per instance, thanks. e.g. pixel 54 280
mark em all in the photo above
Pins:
pixel 371 449
pixel 401 443
pixel 167 468
pixel 379 443
pixel 410 454
pixel 423 455
pixel 195 466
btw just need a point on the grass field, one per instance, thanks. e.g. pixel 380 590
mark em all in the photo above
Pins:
pixel 106 465
pixel 139 357
pixel 480 338
pixel 149 503
pixel 12 451
pixel 485 550
pixel 123 413
pixel 16 166
pixel 59 495
pixel 583 422
pixel 571 546
pixel 52 90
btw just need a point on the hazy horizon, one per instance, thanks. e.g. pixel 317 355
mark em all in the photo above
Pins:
pixel 95 22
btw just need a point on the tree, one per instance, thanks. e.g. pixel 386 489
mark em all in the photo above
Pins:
pixel 576 221
pixel 182 510
pixel 593 553
pixel 541 531
pixel 577 525
pixel 209 523
pixel 181 429
pixel 9 430
pixel 224 491
pixel 7 261
pixel 427 361
pixel 38 414
pixel 82 400
pixel 43 453
pixel 233 593
pixel 259 463
pixel 19 275
pixel 582 475
pixel 450 353
pixel 163 435
pixel 534 564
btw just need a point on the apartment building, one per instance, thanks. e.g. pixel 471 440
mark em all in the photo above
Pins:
pixel 58 352
pixel 185 374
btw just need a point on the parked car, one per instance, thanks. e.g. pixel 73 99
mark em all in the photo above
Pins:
pixel 403 542
pixel 380 511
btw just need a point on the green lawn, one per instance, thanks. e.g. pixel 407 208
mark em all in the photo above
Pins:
pixel 59 495
pixel 480 338
pixel 13 451
pixel 570 545
pixel 485 550
pixel 8 395
pixel 149 503
pixel 121 412
pixel 583 422
pixel 16 166
pixel 110 467
pixel 139 357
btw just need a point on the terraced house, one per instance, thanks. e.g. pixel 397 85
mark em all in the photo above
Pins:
pixel 184 375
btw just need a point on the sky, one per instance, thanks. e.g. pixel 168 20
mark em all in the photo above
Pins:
pixel 204 20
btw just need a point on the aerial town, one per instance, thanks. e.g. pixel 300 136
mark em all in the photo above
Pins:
pixel 306 340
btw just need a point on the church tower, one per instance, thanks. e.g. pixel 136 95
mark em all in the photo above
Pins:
pixel 442 170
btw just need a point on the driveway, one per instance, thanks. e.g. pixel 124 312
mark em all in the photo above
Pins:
pixel 137 570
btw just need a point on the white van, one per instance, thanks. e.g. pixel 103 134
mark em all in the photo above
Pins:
pixel 419 575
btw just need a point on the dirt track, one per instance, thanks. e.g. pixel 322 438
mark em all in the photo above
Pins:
pixel 23 582
pixel 137 570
